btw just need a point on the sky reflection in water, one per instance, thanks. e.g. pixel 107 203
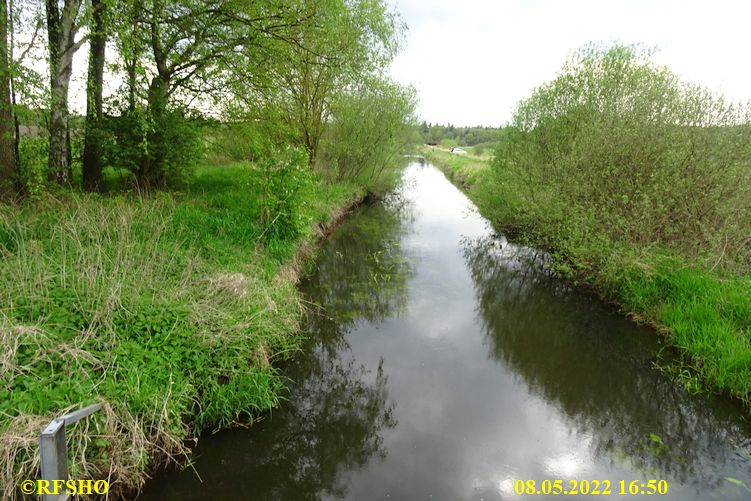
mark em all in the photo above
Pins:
pixel 445 363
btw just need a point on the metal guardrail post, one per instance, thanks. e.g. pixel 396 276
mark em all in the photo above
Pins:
pixel 54 451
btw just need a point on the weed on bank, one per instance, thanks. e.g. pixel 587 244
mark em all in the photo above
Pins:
pixel 169 309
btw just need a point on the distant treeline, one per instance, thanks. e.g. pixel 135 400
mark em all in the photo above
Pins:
pixel 462 136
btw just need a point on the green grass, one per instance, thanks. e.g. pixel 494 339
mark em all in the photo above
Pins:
pixel 708 316
pixel 461 169
pixel 169 309
pixel 704 313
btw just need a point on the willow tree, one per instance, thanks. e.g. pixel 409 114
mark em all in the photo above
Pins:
pixel 348 42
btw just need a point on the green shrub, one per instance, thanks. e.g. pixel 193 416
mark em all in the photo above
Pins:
pixel 244 141
pixel 159 152
pixel 33 151
pixel 371 126
pixel 285 178
pixel 618 146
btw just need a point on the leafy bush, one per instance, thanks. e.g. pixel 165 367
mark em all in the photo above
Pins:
pixel 371 126
pixel 33 151
pixel 620 147
pixel 285 178
pixel 247 140
pixel 159 152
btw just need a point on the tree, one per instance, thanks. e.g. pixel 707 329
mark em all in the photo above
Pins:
pixel 194 48
pixel 92 155
pixel 7 157
pixel 345 42
pixel 62 27
pixel 372 124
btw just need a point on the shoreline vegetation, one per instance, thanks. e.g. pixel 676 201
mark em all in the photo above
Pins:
pixel 169 310
pixel 150 247
pixel 638 185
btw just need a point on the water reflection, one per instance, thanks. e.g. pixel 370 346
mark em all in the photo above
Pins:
pixel 362 275
pixel 337 408
pixel 585 360
pixel 445 363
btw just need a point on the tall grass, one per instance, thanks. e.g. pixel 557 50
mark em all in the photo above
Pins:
pixel 168 309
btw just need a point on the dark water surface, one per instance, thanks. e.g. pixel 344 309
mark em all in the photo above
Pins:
pixel 446 364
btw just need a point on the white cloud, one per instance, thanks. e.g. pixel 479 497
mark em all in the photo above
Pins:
pixel 473 60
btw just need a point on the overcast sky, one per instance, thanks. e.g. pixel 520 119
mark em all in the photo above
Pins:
pixel 471 61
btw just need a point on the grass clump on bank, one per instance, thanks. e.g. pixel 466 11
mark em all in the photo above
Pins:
pixel 169 309
pixel 638 184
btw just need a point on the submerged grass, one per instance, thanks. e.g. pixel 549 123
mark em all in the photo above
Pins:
pixel 704 312
pixel 168 309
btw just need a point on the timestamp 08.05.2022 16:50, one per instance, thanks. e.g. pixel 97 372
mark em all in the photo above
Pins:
pixel 591 487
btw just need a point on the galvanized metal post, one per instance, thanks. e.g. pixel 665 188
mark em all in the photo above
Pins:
pixel 54 451
pixel 54 456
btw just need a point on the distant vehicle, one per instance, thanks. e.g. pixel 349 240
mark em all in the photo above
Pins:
pixel 458 151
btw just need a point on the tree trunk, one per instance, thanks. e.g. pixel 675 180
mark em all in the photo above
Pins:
pixel 61 30
pixel 7 157
pixel 59 154
pixel 131 56
pixel 92 156
pixel 10 23
pixel 151 172
pixel 130 66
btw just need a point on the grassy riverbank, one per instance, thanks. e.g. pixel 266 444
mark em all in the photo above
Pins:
pixel 169 309
pixel 704 312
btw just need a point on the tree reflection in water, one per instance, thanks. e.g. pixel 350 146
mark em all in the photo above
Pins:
pixel 337 408
pixel 362 275
pixel 593 364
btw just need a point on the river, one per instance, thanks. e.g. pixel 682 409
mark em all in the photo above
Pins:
pixel 447 363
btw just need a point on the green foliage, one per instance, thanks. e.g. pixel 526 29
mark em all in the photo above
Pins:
pixel 341 45
pixel 122 139
pixel 619 147
pixel 33 152
pixel 285 183
pixel 166 308
pixel 244 141
pixel 638 185
pixel 127 141
pixel 372 125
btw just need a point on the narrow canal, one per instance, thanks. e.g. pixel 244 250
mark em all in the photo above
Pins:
pixel 446 364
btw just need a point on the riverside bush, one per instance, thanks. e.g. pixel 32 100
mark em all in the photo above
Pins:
pixel 372 125
pixel 620 147
pixel 638 185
